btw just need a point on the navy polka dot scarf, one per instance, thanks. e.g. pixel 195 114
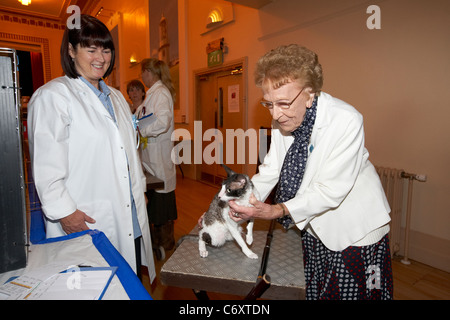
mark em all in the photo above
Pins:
pixel 294 164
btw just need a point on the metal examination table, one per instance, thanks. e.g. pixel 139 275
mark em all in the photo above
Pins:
pixel 227 270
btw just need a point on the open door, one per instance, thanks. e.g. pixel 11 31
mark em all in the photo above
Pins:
pixel 221 106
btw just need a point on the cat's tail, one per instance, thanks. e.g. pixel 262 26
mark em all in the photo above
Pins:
pixel 187 236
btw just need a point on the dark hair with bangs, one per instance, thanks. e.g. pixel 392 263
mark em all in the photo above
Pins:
pixel 91 32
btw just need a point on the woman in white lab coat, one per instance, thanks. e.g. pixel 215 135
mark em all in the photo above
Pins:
pixel 85 165
pixel 157 148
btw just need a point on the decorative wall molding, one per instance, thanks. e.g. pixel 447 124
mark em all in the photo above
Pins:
pixel 31 21
pixel 42 42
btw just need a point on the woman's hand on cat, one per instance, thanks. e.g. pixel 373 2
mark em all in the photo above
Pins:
pixel 200 221
pixel 260 210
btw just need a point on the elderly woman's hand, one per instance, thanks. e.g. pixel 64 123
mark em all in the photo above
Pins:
pixel 260 210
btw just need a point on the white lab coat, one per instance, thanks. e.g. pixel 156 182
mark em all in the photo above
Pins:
pixel 157 155
pixel 80 160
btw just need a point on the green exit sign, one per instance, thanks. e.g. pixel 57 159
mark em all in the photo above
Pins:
pixel 215 58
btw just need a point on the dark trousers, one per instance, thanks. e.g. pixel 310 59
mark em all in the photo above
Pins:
pixel 137 247
pixel 163 235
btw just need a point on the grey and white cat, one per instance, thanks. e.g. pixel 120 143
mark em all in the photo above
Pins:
pixel 217 226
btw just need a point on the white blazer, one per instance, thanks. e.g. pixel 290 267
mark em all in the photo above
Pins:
pixel 157 155
pixel 341 197
pixel 80 160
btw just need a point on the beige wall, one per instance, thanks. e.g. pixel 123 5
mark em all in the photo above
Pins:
pixel 131 19
pixel 397 77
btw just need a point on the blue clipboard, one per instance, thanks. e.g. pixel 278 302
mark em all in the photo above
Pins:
pixel 94 269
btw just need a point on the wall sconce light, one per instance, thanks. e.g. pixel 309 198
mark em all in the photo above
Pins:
pixel 133 60
pixel 218 17
pixel 25 2
pixel 215 18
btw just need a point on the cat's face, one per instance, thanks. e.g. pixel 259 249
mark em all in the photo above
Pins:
pixel 233 188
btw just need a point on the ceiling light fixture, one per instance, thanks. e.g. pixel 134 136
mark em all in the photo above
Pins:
pixel 25 2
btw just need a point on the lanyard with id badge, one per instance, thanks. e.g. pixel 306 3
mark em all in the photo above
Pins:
pixel 139 124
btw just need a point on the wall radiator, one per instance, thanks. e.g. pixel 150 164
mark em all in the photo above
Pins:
pixel 393 184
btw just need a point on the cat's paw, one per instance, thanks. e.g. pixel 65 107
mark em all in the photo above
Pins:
pixel 203 253
pixel 249 239
pixel 252 255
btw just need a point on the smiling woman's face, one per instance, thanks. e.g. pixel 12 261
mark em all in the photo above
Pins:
pixel 91 62
pixel 291 118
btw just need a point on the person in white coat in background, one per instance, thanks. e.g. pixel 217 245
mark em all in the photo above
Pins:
pixel 82 140
pixel 156 149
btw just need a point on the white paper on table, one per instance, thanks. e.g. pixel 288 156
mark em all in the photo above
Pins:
pixel 82 284
pixel 48 283
pixel 19 287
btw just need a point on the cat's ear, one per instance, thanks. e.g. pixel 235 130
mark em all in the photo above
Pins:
pixel 228 170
